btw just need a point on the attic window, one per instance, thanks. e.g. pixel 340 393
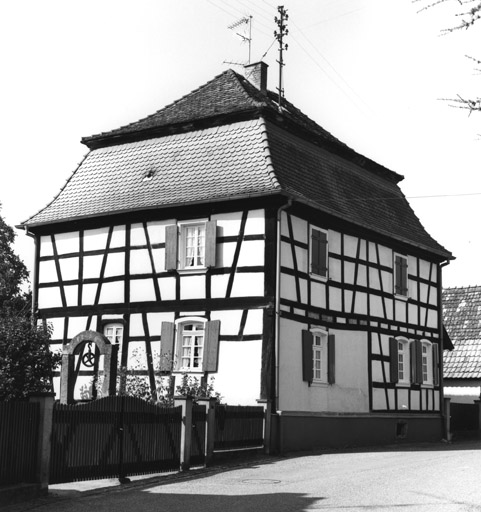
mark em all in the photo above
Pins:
pixel 149 175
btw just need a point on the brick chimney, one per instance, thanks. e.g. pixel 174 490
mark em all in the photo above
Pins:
pixel 257 75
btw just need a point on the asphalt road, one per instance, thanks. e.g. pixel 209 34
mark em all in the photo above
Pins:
pixel 421 478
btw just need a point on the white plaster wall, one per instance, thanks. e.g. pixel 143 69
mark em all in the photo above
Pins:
pixel 334 239
pixel 92 266
pixel 49 298
pixel 318 294
pixel 350 246
pixel 47 272
pixel 218 285
pixel 142 290
pixel 46 248
pixel 118 237
pixel 350 391
pixel 115 265
pixel 71 295
pixel 248 284
pixel 192 287
pixel 67 242
pixel 140 262
pixel 228 224
pixel 167 288
pixel 95 239
pixel 238 378
pixel 251 253
pixel 112 293
pixel 69 268
pixel 255 224
pixel 137 235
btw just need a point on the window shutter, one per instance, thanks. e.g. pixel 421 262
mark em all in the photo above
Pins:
pixel 417 362
pixel 210 243
pixel 435 349
pixel 171 243
pixel 307 341
pixel 401 271
pixel 331 359
pixel 318 252
pixel 394 360
pixel 167 332
pixel 211 346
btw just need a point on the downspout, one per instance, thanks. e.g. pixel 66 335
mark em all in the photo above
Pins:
pixel 34 273
pixel 278 300
pixel 447 434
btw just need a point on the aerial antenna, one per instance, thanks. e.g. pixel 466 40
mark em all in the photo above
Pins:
pixel 246 20
pixel 281 23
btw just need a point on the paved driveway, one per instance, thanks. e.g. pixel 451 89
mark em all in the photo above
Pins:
pixel 438 477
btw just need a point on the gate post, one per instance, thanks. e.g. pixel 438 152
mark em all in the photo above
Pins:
pixel 209 404
pixel 44 444
pixel 447 418
pixel 186 430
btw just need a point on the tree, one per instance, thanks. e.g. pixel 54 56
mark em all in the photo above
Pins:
pixel 13 275
pixel 467 15
pixel 26 363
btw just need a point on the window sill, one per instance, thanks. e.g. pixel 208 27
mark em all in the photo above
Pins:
pixel 401 297
pixel 403 384
pixel 191 271
pixel 319 384
pixel 317 277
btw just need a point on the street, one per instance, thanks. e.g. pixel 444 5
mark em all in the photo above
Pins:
pixel 428 477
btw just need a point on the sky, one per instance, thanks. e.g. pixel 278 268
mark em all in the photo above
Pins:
pixel 375 74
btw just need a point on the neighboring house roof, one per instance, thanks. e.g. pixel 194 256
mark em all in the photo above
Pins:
pixel 228 140
pixel 462 319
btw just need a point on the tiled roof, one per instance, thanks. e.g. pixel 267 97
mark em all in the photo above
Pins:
pixel 462 319
pixel 247 147
pixel 221 162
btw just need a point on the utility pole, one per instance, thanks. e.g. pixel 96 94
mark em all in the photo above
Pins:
pixel 281 23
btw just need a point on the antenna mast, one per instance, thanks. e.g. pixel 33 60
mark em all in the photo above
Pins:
pixel 279 36
pixel 245 39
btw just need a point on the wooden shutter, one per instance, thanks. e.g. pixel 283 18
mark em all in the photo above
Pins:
pixel 171 247
pixel 211 346
pixel 167 333
pixel 307 341
pixel 210 243
pixel 331 359
pixel 393 360
pixel 318 252
pixel 435 349
pixel 417 362
pixel 401 271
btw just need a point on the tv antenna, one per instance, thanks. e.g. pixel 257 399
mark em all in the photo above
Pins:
pixel 247 35
pixel 283 31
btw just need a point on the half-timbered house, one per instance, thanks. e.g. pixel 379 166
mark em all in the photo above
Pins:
pixel 226 235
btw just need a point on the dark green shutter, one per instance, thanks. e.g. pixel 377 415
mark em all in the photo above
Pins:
pixel 307 341
pixel 210 243
pixel 211 346
pixel 393 360
pixel 331 359
pixel 167 333
pixel 417 362
pixel 435 348
pixel 171 247
pixel 318 252
pixel 401 272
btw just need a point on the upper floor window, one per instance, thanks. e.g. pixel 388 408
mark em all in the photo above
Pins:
pixel 318 356
pixel 426 363
pixel 318 252
pixel 114 333
pixel 190 245
pixel 400 275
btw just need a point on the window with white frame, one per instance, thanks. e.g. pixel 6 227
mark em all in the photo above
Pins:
pixel 400 275
pixel 190 245
pixel 318 252
pixel 404 361
pixel 427 362
pixel 319 356
pixel 114 333
pixel 189 344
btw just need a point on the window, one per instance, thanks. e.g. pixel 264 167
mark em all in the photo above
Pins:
pixel 190 344
pixel 191 341
pixel 190 245
pixel 318 356
pixel 426 363
pixel 400 275
pixel 400 360
pixel 114 332
pixel 415 362
pixel 318 253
